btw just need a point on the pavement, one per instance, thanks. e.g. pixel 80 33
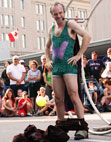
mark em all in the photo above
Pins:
pixel 14 125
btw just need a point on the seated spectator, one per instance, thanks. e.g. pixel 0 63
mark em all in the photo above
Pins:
pixel 93 91
pixel 50 108
pixel 41 93
pixel 107 72
pixel 24 105
pixel 0 104
pixel 19 94
pixel 8 104
pixel 106 99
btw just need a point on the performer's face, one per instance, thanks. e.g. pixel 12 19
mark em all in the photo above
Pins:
pixel 58 13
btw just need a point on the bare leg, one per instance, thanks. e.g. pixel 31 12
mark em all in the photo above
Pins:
pixel 58 85
pixel 29 107
pixel 32 101
pixel 96 97
pixel 72 88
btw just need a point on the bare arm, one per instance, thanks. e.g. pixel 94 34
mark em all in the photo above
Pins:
pixel 47 50
pixel 11 77
pixel 85 40
pixel 45 80
pixel 105 92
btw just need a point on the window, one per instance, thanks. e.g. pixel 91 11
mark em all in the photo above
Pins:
pixel 70 13
pixel 22 4
pixel 2 20
pixel 6 4
pixel 39 43
pixel 11 3
pixel 42 25
pixel 82 14
pixel 41 9
pixel 38 25
pixel 23 22
pixel 1 3
pixel 12 44
pixel 42 42
pixel 11 21
pixel 6 19
pixel 24 41
pixel 6 37
pixel 37 9
pixel 3 36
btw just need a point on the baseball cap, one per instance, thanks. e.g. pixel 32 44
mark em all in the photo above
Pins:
pixel 21 61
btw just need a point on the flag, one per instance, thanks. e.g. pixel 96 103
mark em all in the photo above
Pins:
pixel 13 35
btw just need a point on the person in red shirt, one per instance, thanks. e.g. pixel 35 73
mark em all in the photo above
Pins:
pixel 8 104
pixel 24 105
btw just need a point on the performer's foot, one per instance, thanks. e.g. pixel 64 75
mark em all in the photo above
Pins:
pixel 81 134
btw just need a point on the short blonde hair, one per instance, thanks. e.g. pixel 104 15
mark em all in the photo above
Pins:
pixel 33 61
pixel 42 57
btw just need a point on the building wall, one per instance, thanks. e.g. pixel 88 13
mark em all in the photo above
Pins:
pixel 78 7
pixel 101 20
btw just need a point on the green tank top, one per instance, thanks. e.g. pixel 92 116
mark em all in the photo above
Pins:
pixel 62 48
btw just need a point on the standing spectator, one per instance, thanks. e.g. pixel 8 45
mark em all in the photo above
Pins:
pixel 48 81
pixel 9 103
pixel 24 105
pixel 95 65
pixel 22 62
pixel 34 81
pixel 85 66
pixel 6 80
pixel 107 72
pixel 16 74
pixel 26 78
pixel 41 68
pixel 107 58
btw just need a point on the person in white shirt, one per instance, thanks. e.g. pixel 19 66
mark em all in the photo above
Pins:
pixel 107 72
pixel 16 74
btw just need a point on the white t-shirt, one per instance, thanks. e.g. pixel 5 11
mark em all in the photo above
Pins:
pixel 34 74
pixel 16 71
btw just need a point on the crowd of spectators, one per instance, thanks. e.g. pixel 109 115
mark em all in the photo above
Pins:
pixel 98 76
pixel 22 84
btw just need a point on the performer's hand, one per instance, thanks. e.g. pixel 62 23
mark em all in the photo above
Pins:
pixel 73 59
pixel 49 64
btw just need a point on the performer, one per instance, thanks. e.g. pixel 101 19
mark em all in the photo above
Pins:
pixel 63 63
